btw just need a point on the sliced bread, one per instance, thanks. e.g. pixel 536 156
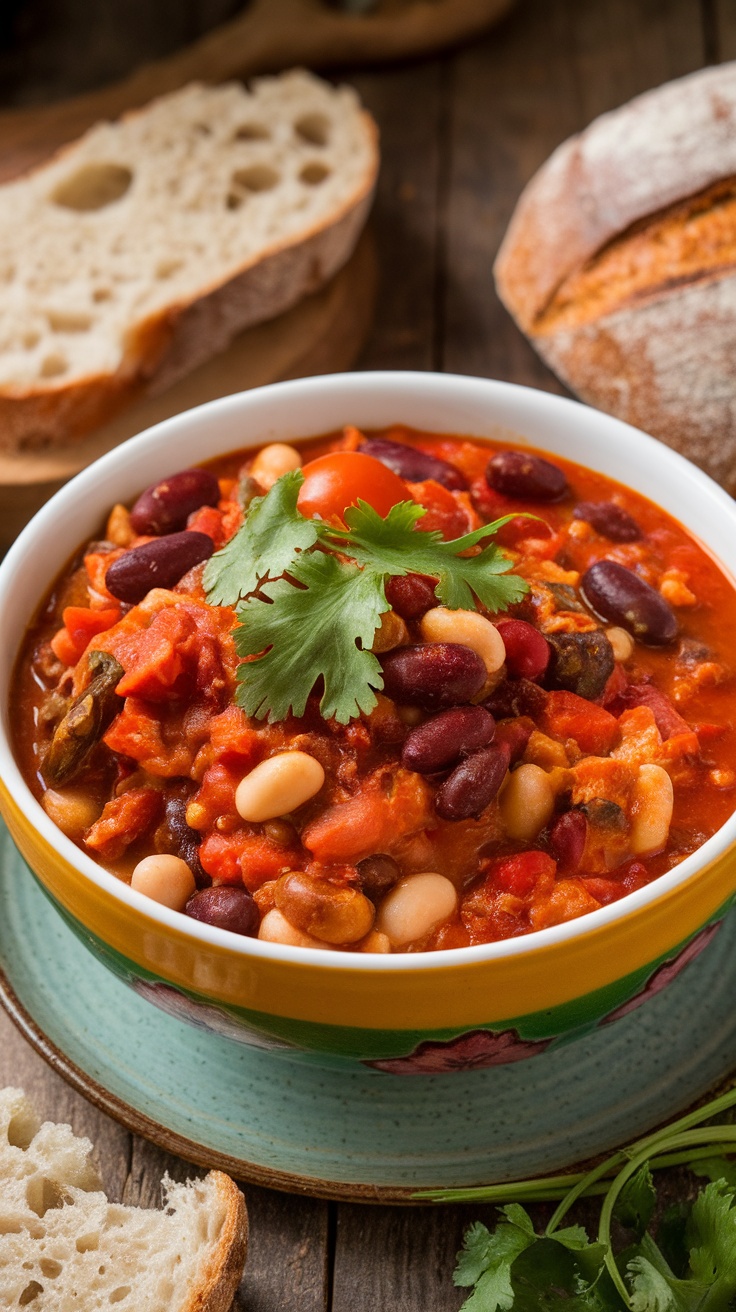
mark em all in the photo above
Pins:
pixel 65 1248
pixel 140 250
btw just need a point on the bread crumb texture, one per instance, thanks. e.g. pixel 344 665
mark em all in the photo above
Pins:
pixel 64 1247
pixel 105 247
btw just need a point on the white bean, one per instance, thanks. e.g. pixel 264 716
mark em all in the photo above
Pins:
pixel 278 785
pixel 526 802
pixel 272 462
pixel 414 907
pixel 275 928
pixel 468 628
pixel 651 810
pixel 621 642
pixel 73 810
pixel 165 879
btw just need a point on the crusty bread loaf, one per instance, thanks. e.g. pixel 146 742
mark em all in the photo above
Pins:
pixel 620 265
pixel 143 248
pixel 65 1248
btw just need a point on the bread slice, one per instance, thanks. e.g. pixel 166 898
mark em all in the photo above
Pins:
pixel 143 248
pixel 619 263
pixel 65 1248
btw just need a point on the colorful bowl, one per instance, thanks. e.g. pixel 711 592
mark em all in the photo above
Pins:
pixel 454 1010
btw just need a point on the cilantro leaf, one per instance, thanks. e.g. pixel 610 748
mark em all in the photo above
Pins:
pixel 486 1260
pixel 515 1268
pixel 265 546
pixel 394 546
pixel 717 1168
pixel 311 631
pixel 636 1202
pixel 712 1236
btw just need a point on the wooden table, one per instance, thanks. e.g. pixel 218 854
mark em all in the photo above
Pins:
pixel 460 136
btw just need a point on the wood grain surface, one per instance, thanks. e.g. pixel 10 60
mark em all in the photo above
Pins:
pixel 460 136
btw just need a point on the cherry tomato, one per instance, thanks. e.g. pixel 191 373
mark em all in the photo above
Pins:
pixel 334 482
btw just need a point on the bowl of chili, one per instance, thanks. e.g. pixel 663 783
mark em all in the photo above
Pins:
pixel 382 716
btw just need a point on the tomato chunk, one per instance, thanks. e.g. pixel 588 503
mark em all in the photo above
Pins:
pixel 565 715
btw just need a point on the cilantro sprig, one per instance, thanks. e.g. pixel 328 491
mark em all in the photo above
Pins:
pixel 309 595
pixel 690 1267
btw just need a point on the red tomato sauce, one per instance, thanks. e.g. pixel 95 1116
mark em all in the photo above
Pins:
pixel 588 767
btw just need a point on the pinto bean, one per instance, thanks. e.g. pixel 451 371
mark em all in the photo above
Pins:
pixel 411 595
pixel 616 593
pixel 608 519
pixel 581 663
pixel 413 465
pixel 441 741
pixel 334 913
pixel 433 675
pixel 225 907
pixel 526 477
pixel 473 784
pixel 527 650
pixel 165 507
pixel 157 564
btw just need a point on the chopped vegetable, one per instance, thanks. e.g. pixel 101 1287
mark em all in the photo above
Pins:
pixel 88 717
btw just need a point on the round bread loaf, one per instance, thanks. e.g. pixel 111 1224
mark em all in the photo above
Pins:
pixel 619 264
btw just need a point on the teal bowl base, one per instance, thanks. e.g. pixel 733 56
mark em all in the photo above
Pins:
pixel 356 1133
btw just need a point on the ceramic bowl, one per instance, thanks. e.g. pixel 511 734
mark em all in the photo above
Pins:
pixel 453 1010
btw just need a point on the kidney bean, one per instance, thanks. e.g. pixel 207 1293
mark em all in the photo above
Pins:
pixel 521 475
pixel 515 735
pixel 581 663
pixel 473 783
pixel 441 741
pixel 157 564
pixel 617 594
pixel 165 507
pixel 184 841
pixel 433 675
pixel 567 839
pixel 608 519
pixel 527 650
pixel 512 697
pixel 413 465
pixel 225 907
pixel 411 595
pixel 377 874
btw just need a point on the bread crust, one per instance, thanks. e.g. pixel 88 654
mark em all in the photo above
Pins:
pixel 663 360
pixel 220 1279
pixel 170 343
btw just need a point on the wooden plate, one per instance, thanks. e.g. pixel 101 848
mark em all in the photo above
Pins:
pixel 362 1135
pixel 322 334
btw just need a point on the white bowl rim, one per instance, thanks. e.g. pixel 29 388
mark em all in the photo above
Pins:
pixel 442 386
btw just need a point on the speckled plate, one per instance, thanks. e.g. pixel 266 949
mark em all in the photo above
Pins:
pixel 363 1135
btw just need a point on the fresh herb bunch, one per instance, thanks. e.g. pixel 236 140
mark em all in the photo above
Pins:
pixel 310 595
pixel 691 1267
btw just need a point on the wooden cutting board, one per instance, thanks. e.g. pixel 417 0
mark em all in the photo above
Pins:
pixel 268 36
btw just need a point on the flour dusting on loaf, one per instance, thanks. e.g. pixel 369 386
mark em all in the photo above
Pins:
pixel 646 195
pixel 144 247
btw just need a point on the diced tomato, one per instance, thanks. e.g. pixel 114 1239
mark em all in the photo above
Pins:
pixel 603 890
pixel 242 857
pixel 372 821
pixel 215 797
pixel 81 625
pixel 709 733
pixel 124 820
pixel 520 874
pixel 565 715
pixel 568 899
pixel 97 564
pixel 209 520
pixel 667 718
pixel 156 741
pixel 446 514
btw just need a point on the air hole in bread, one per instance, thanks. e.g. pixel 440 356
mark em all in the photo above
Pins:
pixel 30 1292
pixel 259 177
pixel 119 1294
pixel 251 132
pixel 167 268
pixel 22 1127
pixel 93 187
pixel 29 339
pixel 50 1267
pixel 203 129
pixel 234 200
pixel 9 1225
pixel 88 1243
pixel 53 365
pixel 314 173
pixel 313 128
pixel 43 1195
pixel 101 294
pixel 69 321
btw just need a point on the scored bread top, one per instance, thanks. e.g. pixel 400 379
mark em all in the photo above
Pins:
pixel 634 162
pixel 141 218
